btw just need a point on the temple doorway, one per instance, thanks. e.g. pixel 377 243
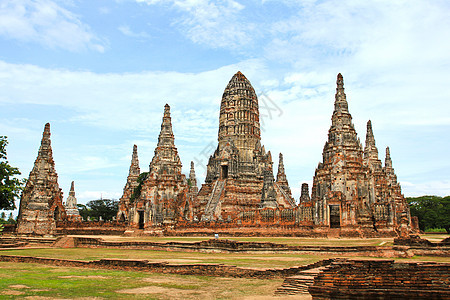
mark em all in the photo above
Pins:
pixel 141 219
pixel 122 217
pixel 57 214
pixel 335 216
pixel 224 171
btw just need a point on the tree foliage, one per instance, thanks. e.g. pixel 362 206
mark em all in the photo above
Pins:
pixel 10 185
pixel 432 211
pixel 137 190
pixel 105 208
pixel 9 220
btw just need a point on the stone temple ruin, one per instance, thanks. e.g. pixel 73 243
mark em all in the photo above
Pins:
pixel 239 173
pixel 41 202
pixel 352 190
pixel 160 196
pixel 71 204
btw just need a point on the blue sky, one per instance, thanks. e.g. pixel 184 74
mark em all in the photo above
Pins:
pixel 101 71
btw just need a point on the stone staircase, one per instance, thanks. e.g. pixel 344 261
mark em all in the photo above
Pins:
pixel 64 242
pixel 213 201
pixel 298 284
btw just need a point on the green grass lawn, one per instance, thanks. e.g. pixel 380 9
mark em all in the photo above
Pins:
pixel 21 280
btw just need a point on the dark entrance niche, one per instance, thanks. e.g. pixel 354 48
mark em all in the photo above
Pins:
pixel 141 219
pixel 335 216
pixel 224 171
pixel 57 214
pixel 122 217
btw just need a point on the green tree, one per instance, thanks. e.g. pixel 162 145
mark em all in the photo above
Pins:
pixel 10 186
pixel 105 208
pixel 432 211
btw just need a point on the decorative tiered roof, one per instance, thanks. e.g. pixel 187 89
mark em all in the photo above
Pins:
pixel 239 116
pixel 166 160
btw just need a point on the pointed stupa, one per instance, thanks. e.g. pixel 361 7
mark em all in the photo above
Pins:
pixel 341 118
pixel 341 172
pixel 281 176
pixel 304 196
pixel 166 159
pixel 71 201
pixel 239 116
pixel 370 150
pixel 134 167
pixel 268 197
pixel 388 161
pixel 71 205
pixel 134 171
pixel 193 180
pixel 342 137
pixel 132 183
pixel 340 104
pixel 41 201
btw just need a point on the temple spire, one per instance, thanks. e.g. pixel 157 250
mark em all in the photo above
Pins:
pixel 45 150
pixel 134 167
pixel 166 159
pixel 72 189
pixel 370 149
pixel 388 160
pixel 71 204
pixel 193 180
pixel 304 197
pixel 166 137
pixel 340 104
pixel 41 200
pixel 281 175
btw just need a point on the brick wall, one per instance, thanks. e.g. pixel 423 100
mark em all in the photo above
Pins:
pixel 385 279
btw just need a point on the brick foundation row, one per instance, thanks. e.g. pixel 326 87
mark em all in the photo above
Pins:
pixel 363 279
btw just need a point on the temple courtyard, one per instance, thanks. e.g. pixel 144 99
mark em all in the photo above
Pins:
pixel 132 267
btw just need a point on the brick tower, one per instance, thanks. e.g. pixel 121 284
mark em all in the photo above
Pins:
pixel 351 189
pixel 41 202
pixel 161 196
pixel 130 186
pixel 239 173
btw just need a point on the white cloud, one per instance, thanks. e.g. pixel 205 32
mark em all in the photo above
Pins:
pixel 436 188
pixel 216 24
pixel 47 23
pixel 395 70
pixel 126 30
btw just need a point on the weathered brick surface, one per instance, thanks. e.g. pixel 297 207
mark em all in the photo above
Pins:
pixel 90 227
pixel 351 188
pixel 41 201
pixel 363 279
